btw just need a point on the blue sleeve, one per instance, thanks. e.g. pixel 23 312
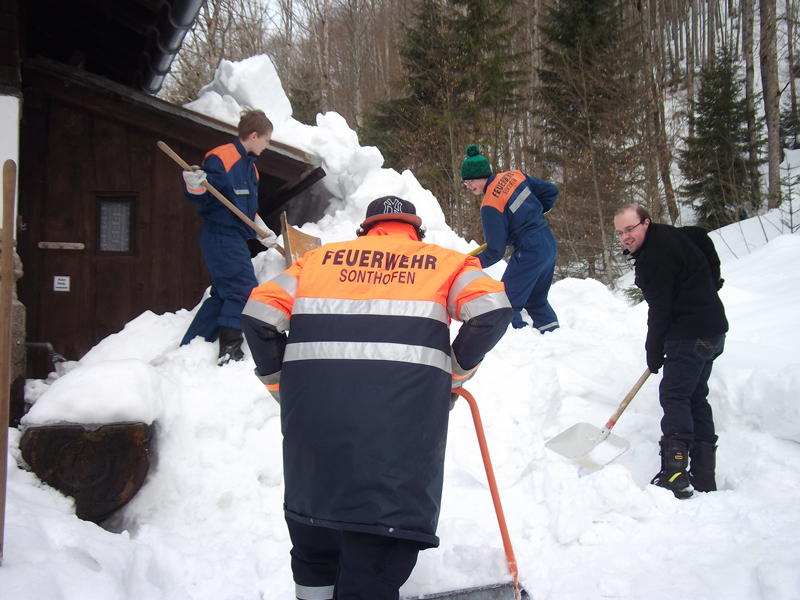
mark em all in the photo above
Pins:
pixel 495 232
pixel 545 191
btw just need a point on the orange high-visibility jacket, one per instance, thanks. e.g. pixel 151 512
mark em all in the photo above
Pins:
pixel 366 371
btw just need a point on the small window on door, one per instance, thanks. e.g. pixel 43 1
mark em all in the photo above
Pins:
pixel 116 218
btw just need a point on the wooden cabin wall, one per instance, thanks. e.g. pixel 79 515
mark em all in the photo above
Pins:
pixel 71 156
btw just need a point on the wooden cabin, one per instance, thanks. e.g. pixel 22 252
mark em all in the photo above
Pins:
pixel 103 230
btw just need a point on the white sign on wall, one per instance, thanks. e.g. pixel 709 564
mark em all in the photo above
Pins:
pixel 61 283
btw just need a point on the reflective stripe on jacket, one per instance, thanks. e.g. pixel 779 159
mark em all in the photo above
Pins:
pixel 366 371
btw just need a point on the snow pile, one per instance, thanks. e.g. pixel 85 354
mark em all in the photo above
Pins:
pixel 208 522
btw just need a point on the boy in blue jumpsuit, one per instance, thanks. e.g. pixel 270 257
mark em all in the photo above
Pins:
pixel 223 240
pixel 512 213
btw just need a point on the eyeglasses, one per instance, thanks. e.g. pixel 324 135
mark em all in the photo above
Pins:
pixel 466 182
pixel 627 230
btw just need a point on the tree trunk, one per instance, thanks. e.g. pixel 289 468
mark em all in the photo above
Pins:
pixel 654 74
pixel 790 27
pixel 598 198
pixel 750 94
pixel 691 49
pixel 772 96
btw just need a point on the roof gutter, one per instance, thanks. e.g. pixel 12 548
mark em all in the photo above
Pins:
pixel 175 18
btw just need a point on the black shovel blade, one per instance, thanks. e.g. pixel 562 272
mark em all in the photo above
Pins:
pixel 499 591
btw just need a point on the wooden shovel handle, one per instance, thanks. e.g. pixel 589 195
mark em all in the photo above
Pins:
pixel 627 400
pixel 186 167
pixel 477 250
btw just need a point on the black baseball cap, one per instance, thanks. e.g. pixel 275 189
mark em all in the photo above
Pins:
pixel 391 208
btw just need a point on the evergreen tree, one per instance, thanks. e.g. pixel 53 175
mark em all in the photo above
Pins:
pixel 305 99
pixel 790 127
pixel 412 131
pixel 487 66
pixel 716 160
pixel 459 84
pixel 593 118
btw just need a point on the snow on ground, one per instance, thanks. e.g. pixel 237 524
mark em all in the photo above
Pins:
pixel 208 523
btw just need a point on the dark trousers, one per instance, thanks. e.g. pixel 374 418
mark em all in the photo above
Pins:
pixel 232 276
pixel 683 390
pixel 348 565
pixel 528 277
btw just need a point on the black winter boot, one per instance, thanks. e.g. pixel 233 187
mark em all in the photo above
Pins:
pixel 230 345
pixel 674 463
pixel 704 463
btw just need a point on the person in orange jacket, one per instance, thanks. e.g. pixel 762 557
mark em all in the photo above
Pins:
pixel 364 381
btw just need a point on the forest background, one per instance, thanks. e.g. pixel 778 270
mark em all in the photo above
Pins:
pixel 682 106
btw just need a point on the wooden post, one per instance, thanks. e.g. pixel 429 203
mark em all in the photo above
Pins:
pixel 6 290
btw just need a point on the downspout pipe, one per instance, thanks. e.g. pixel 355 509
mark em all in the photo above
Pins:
pixel 174 20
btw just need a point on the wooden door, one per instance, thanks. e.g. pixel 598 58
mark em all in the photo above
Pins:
pixel 106 232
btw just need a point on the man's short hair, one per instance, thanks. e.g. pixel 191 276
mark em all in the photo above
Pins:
pixel 641 212
pixel 254 120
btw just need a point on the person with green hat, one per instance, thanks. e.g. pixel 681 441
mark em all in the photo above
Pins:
pixel 512 212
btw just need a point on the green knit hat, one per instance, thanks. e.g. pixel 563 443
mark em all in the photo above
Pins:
pixel 475 166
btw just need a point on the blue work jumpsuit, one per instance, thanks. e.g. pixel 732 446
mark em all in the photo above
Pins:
pixel 231 170
pixel 512 213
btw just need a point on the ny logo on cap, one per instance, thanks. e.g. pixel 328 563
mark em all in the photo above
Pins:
pixel 392 205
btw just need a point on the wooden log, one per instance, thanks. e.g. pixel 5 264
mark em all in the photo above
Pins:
pixel 102 469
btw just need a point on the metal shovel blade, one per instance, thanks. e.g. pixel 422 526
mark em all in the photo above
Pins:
pixel 580 443
pixel 592 447
pixel 501 591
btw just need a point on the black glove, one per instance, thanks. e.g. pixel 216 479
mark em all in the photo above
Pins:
pixel 453 398
pixel 655 360
pixel 720 283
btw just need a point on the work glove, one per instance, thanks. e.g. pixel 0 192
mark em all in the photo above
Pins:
pixel 272 383
pixel 459 378
pixel 655 360
pixel 271 239
pixel 195 179
pixel 453 398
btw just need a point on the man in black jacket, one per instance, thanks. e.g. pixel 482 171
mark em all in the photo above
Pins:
pixel 686 328
pixel 699 237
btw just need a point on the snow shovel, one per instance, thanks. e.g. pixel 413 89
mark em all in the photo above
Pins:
pixel 502 591
pixel 478 250
pixel 214 192
pixel 591 447
pixel 297 243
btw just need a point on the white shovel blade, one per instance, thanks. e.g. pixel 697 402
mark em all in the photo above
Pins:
pixel 579 443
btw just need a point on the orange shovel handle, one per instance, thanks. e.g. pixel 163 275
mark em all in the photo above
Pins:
pixel 487 463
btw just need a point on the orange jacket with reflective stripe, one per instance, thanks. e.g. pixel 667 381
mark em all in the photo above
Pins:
pixel 365 374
